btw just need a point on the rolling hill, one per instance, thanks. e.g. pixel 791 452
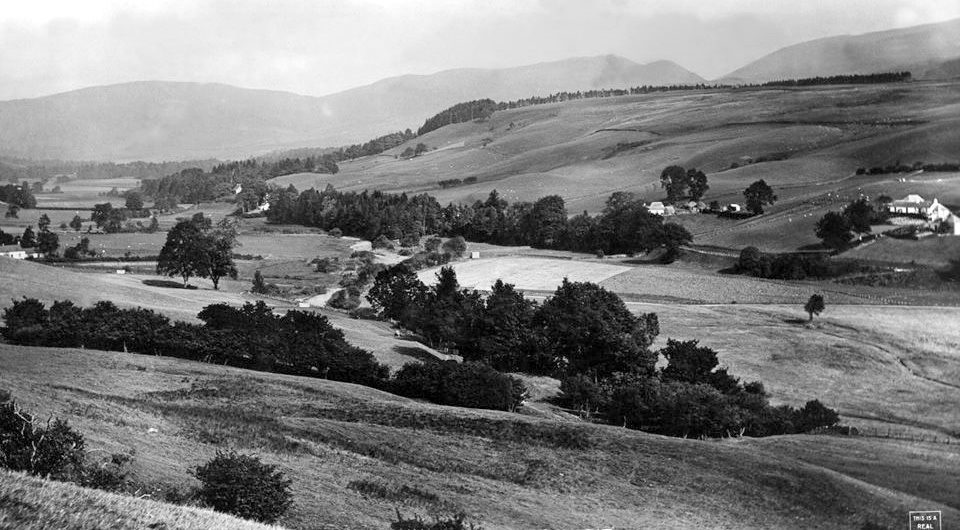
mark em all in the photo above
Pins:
pixel 504 470
pixel 929 51
pixel 153 120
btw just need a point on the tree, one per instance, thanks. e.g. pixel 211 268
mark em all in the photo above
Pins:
pixel 697 181
pixel 395 291
pixel 589 330
pixel 455 246
pixel 47 242
pixel 420 149
pixel 859 213
pixel 259 286
pixel 834 229
pixel 814 305
pixel 29 238
pixel 76 223
pixel 547 222
pixel 12 211
pixel 133 201
pixel 757 195
pixel 244 486
pixel 674 180
pixel 185 252
pixel 43 224
pixel 101 213
pixel 221 260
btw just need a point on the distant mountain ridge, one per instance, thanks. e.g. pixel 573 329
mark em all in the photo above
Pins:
pixel 929 51
pixel 158 120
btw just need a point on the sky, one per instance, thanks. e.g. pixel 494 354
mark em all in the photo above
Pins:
pixel 318 47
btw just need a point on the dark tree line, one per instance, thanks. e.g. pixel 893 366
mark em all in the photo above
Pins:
pixel 479 109
pixel 949 167
pixel 193 185
pixel 624 226
pixel 298 343
pixel 846 79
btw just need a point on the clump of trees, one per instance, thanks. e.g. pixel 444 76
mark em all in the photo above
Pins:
pixel 479 109
pixel 680 183
pixel 836 229
pixel 18 195
pixel 624 226
pixel 468 384
pixel 586 336
pixel 194 247
pixel 792 266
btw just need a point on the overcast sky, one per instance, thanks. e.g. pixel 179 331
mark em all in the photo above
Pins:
pixel 324 46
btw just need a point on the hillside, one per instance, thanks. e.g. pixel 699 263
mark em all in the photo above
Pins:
pixel 29 503
pixel 929 51
pixel 154 120
pixel 504 470
pixel 806 143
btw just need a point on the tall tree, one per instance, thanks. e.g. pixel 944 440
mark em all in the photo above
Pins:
pixel 674 180
pixel 186 252
pixel 697 180
pixel 133 200
pixel 43 223
pixel 47 242
pixel 758 195
pixel 29 238
pixel 859 213
pixel 76 223
pixel 834 229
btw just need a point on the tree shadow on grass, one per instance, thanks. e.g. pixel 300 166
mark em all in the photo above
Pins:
pixel 168 284
pixel 796 320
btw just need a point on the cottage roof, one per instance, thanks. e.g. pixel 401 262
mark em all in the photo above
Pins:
pixel 655 206
pixel 9 248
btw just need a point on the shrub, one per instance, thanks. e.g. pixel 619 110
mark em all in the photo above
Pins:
pixel 455 246
pixel 365 313
pixel 343 299
pixel 814 415
pixel 242 485
pixel 52 450
pixel 474 385
pixel 456 522
pixel 327 265
pixel 336 232
pixel 382 242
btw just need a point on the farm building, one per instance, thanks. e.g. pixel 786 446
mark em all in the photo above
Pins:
pixel 13 251
pixel 915 205
pixel 657 208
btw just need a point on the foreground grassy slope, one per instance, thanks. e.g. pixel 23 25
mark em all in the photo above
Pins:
pixel 507 470
pixel 30 503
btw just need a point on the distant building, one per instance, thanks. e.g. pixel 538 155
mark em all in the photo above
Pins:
pixel 656 208
pixel 914 204
pixel 13 251
pixel 734 207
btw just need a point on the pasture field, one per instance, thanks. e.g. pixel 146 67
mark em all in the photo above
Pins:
pixel 937 252
pixel 899 366
pixel 504 470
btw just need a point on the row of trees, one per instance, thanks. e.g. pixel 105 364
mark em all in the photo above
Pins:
pixel 624 226
pixel 586 336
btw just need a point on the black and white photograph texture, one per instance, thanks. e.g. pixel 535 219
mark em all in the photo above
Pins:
pixel 480 264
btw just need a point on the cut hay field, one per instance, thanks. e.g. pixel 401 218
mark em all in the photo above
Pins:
pixel 504 470
pixel 526 273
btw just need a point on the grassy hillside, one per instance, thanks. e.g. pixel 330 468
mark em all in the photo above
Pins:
pixel 806 143
pixel 29 503
pixel 506 470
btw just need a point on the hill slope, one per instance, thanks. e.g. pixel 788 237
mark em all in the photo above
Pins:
pixel 29 503
pixel 924 50
pixel 505 470
pixel 154 120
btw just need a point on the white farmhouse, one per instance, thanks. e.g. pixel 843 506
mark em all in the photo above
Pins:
pixel 13 251
pixel 914 204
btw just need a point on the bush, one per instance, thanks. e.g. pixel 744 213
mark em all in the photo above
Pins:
pixel 382 242
pixel 457 522
pixel 365 313
pixel 243 486
pixel 474 385
pixel 336 232
pixel 54 450
pixel 455 246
